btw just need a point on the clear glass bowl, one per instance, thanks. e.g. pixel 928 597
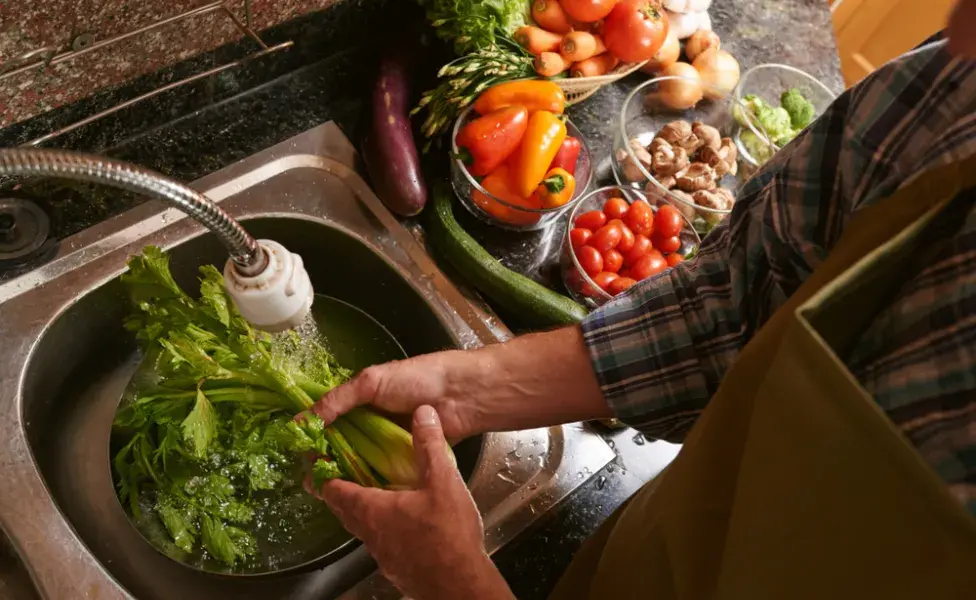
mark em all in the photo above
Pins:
pixel 580 285
pixel 644 114
pixel 769 81
pixel 507 215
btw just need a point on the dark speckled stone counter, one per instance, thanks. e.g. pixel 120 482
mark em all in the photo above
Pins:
pixel 327 77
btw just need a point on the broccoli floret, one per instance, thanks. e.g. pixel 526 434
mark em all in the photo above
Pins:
pixel 800 109
pixel 756 146
pixel 775 121
pixel 751 104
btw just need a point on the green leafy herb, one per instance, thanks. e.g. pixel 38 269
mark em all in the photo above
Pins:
pixel 474 24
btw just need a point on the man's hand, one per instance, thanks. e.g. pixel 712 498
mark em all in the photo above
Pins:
pixel 429 542
pixel 532 381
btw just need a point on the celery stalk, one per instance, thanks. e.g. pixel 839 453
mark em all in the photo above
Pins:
pixel 387 447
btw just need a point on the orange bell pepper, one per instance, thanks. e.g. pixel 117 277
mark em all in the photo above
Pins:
pixel 498 186
pixel 541 142
pixel 557 188
pixel 533 94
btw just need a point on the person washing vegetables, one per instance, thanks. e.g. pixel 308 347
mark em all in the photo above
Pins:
pixel 817 359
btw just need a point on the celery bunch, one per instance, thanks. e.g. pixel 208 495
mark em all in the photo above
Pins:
pixel 210 425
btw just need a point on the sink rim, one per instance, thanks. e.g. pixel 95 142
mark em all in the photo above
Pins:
pixel 53 552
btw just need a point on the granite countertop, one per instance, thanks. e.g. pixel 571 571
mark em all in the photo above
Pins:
pixel 326 76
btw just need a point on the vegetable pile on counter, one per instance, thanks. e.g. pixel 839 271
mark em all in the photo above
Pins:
pixel 208 422
pixel 622 243
pixel 579 38
pixel 519 148
pixel 780 123
pixel 588 38
pixel 710 72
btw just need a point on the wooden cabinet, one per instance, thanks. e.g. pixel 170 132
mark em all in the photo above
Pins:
pixel 872 32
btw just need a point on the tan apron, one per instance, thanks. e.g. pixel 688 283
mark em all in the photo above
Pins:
pixel 793 483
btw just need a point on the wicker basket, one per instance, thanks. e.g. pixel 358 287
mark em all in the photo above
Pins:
pixel 578 89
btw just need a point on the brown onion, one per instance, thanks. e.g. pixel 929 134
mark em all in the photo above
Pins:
pixel 719 71
pixel 700 41
pixel 666 56
pixel 683 93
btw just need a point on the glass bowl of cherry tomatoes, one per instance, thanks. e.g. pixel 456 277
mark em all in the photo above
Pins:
pixel 493 196
pixel 615 238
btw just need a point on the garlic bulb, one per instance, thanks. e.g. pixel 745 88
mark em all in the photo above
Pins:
pixel 685 24
pixel 687 6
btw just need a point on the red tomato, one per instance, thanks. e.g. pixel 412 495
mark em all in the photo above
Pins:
pixel 620 285
pixel 590 259
pixel 591 220
pixel 673 259
pixel 626 236
pixel 615 208
pixel 587 11
pixel 604 279
pixel 612 261
pixel 667 245
pixel 641 246
pixel 667 221
pixel 579 237
pixel 635 30
pixel 640 218
pixel 650 264
pixel 607 237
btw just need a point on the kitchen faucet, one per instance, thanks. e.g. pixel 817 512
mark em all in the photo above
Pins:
pixel 268 284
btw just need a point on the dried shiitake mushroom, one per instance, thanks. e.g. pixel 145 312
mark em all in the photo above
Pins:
pixel 699 176
pixel 709 136
pixel 667 159
pixel 628 166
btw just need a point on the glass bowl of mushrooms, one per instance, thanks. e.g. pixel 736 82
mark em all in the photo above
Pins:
pixel 675 143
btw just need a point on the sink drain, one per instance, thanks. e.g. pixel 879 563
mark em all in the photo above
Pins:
pixel 24 228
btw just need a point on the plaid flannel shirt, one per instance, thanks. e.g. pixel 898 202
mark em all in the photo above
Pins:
pixel 661 351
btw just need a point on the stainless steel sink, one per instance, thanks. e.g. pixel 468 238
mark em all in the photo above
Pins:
pixel 66 360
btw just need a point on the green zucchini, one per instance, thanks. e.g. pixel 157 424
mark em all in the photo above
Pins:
pixel 512 291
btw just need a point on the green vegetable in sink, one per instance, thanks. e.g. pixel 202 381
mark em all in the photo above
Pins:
pixel 208 425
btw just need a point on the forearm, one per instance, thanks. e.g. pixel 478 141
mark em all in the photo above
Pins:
pixel 532 381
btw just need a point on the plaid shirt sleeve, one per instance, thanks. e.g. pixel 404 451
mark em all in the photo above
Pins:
pixel 661 351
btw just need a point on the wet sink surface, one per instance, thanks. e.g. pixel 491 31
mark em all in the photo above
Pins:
pixel 68 360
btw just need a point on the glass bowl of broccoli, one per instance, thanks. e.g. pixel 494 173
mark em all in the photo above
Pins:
pixel 775 103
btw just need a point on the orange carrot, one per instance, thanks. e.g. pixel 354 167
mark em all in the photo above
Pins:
pixel 548 64
pixel 551 16
pixel 580 45
pixel 600 64
pixel 537 40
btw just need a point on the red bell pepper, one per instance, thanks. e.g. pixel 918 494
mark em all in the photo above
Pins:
pixel 487 141
pixel 567 155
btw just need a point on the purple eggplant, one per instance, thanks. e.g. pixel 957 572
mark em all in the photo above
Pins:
pixel 389 149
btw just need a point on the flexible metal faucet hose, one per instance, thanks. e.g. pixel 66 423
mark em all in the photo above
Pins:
pixel 244 250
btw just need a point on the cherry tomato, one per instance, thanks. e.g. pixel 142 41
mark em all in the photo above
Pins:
pixel 667 244
pixel 650 264
pixel 667 221
pixel 590 259
pixel 607 237
pixel 641 246
pixel 612 260
pixel 604 279
pixel 615 208
pixel 579 237
pixel 640 218
pixel 620 285
pixel 673 259
pixel 587 11
pixel 591 220
pixel 626 236
pixel 635 29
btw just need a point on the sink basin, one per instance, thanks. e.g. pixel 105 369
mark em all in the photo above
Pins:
pixel 67 360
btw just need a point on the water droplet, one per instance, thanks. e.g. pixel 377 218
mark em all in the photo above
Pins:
pixel 639 439
pixel 612 444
